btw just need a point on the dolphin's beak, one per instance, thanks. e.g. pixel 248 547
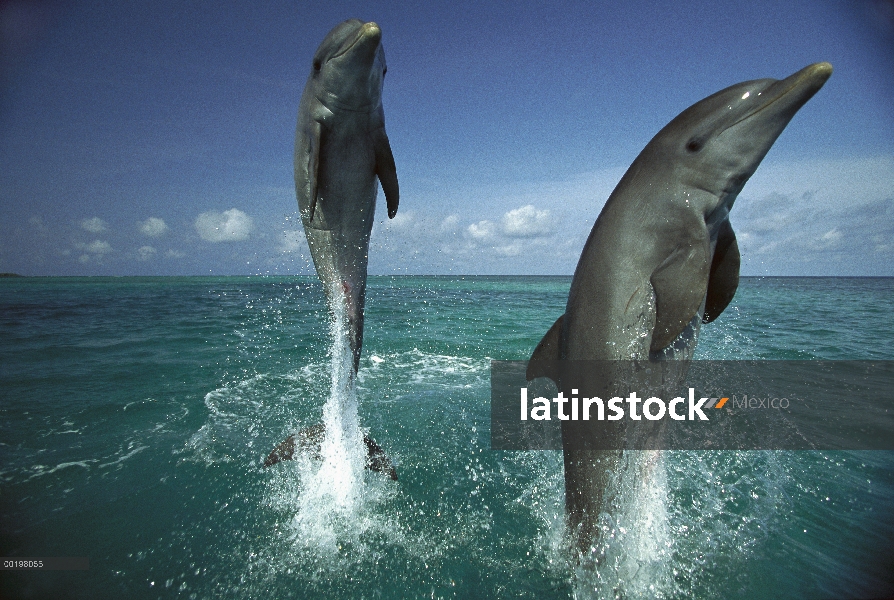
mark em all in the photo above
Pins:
pixel 788 95
pixel 794 91
pixel 369 35
pixel 807 81
pixel 369 38
pixel 372 31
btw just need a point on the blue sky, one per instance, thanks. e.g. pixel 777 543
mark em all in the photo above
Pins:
pixel 132 134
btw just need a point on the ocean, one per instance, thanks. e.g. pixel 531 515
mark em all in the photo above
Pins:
pixel 137 412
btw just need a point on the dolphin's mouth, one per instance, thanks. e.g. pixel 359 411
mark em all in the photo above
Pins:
pixel 361 33
pixel 331 101
pixel 823 70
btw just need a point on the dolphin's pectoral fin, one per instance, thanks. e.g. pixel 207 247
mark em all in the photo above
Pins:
pixel 724 278
pixel 387 172
pixel 543 360
pixel 314 140
pixel 679 283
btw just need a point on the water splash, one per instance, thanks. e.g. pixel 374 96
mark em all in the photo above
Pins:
pixel 332 489
pixel 632 557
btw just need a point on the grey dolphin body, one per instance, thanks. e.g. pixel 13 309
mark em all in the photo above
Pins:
pixel 662 257
pixel 340 150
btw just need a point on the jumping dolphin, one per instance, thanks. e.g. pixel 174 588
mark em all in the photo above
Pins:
pixel 341 148
pixel 662 257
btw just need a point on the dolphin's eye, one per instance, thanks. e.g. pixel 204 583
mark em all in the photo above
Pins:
pixel 385 70
pixel 694 145
pixel 317 65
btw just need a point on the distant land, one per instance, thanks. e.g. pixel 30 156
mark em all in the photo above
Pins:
pixel 10 275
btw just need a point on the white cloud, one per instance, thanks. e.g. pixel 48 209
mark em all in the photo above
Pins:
pixel 481 230
pixel 95 247
pixel 819 238
pixel 229 226
pixel 174 254
pixel 449 224
pixel 94 225
pixel 504 240
pixel 810 217
pixel 882 243
pixel 94 251
pixel 153 227
pixel 827 241
pixel 146 252
pixel 823 183
pixel 527 221
pixel 831 236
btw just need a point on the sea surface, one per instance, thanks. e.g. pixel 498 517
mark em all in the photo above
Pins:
pixel 135 414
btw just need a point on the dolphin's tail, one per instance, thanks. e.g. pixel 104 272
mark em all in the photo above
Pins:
pixel 376 459
pixel 310 439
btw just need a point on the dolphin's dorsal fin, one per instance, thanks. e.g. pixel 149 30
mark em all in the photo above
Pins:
pixel 724 278
pixel 307 159
pixel 679 283
pixel 387 172
pixel 543 360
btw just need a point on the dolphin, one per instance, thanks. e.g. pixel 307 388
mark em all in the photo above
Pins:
pixel 341 149
pixel 662 258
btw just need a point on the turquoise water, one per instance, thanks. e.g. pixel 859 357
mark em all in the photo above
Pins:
pixel 136 413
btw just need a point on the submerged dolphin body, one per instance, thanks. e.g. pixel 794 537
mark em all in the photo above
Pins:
pixel 662 258
pixel 341 149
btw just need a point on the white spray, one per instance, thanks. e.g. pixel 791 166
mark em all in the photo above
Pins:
pixel 332 491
